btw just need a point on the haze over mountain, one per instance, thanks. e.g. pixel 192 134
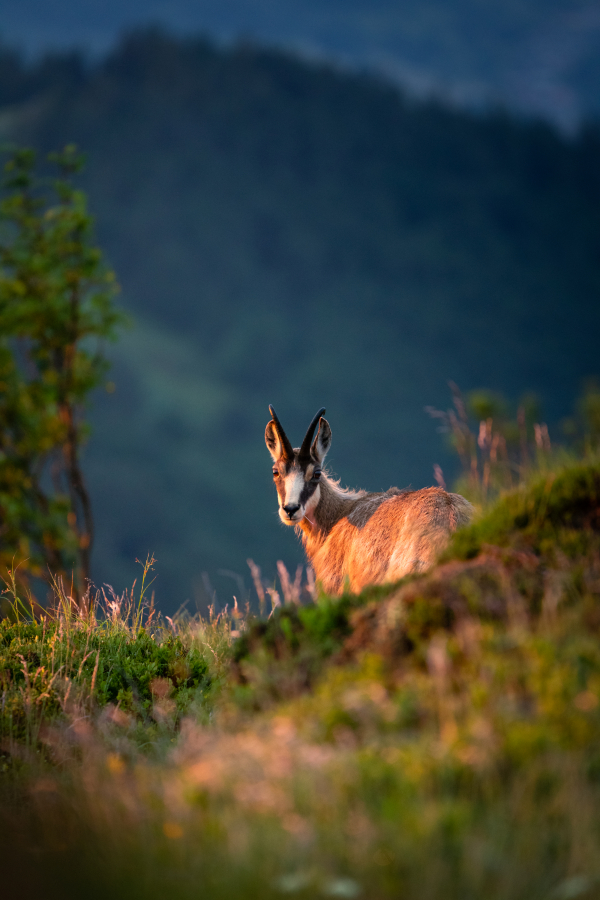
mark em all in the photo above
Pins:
pixel 537 56
pixel 288 234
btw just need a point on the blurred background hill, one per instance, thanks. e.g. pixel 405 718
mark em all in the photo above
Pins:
pixel 287 232
pixel 540 56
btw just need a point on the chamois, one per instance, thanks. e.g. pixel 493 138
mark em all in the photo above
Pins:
pixel 355 538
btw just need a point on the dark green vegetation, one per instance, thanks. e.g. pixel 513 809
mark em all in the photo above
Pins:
pixel 284 233
pixel 435 738
pixel 112 656
pixel 556 516
pixel 107 665
pixel 56 311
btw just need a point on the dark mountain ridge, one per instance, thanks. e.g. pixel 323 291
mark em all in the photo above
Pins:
pixel 538 56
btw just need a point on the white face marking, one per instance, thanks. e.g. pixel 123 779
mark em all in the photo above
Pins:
pixel 294 483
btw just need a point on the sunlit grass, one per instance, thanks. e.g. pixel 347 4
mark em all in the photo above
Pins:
pixel 436 738
pixel 111 658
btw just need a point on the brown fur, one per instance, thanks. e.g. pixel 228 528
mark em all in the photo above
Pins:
pixel 375 538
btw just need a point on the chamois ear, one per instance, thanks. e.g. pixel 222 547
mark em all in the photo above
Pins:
pixel 322 442
pixel 273 441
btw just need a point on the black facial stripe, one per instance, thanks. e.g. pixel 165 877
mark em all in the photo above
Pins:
pixel 307 491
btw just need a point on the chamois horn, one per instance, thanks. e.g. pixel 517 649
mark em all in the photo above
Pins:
pixel 288 450
pixel 305 448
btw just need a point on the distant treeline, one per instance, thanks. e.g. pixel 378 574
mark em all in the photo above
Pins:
pixel 287 233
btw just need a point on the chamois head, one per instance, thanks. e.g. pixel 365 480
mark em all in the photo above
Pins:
pixel 297 471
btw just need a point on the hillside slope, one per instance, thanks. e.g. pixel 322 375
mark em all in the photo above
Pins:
pixel 434 738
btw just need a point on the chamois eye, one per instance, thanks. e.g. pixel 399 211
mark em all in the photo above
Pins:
pixel 316 474
pixel 275 473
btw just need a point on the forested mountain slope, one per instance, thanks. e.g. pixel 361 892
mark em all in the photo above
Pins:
pixel 287 234
pixel 541 56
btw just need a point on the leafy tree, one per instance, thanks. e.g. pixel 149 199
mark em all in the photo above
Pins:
pixel 56 309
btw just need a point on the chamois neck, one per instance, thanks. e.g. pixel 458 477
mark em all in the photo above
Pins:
pixel 334 503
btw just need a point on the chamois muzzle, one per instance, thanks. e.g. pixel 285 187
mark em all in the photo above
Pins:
pixel 291 509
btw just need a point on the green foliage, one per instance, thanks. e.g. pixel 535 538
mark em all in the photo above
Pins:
pixel 283 655
pixel 557 513
pixel 114 659
pixel 106 665
pixel 56 306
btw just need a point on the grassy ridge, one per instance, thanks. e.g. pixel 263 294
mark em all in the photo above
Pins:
pixel 435 738
pixel 531 535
